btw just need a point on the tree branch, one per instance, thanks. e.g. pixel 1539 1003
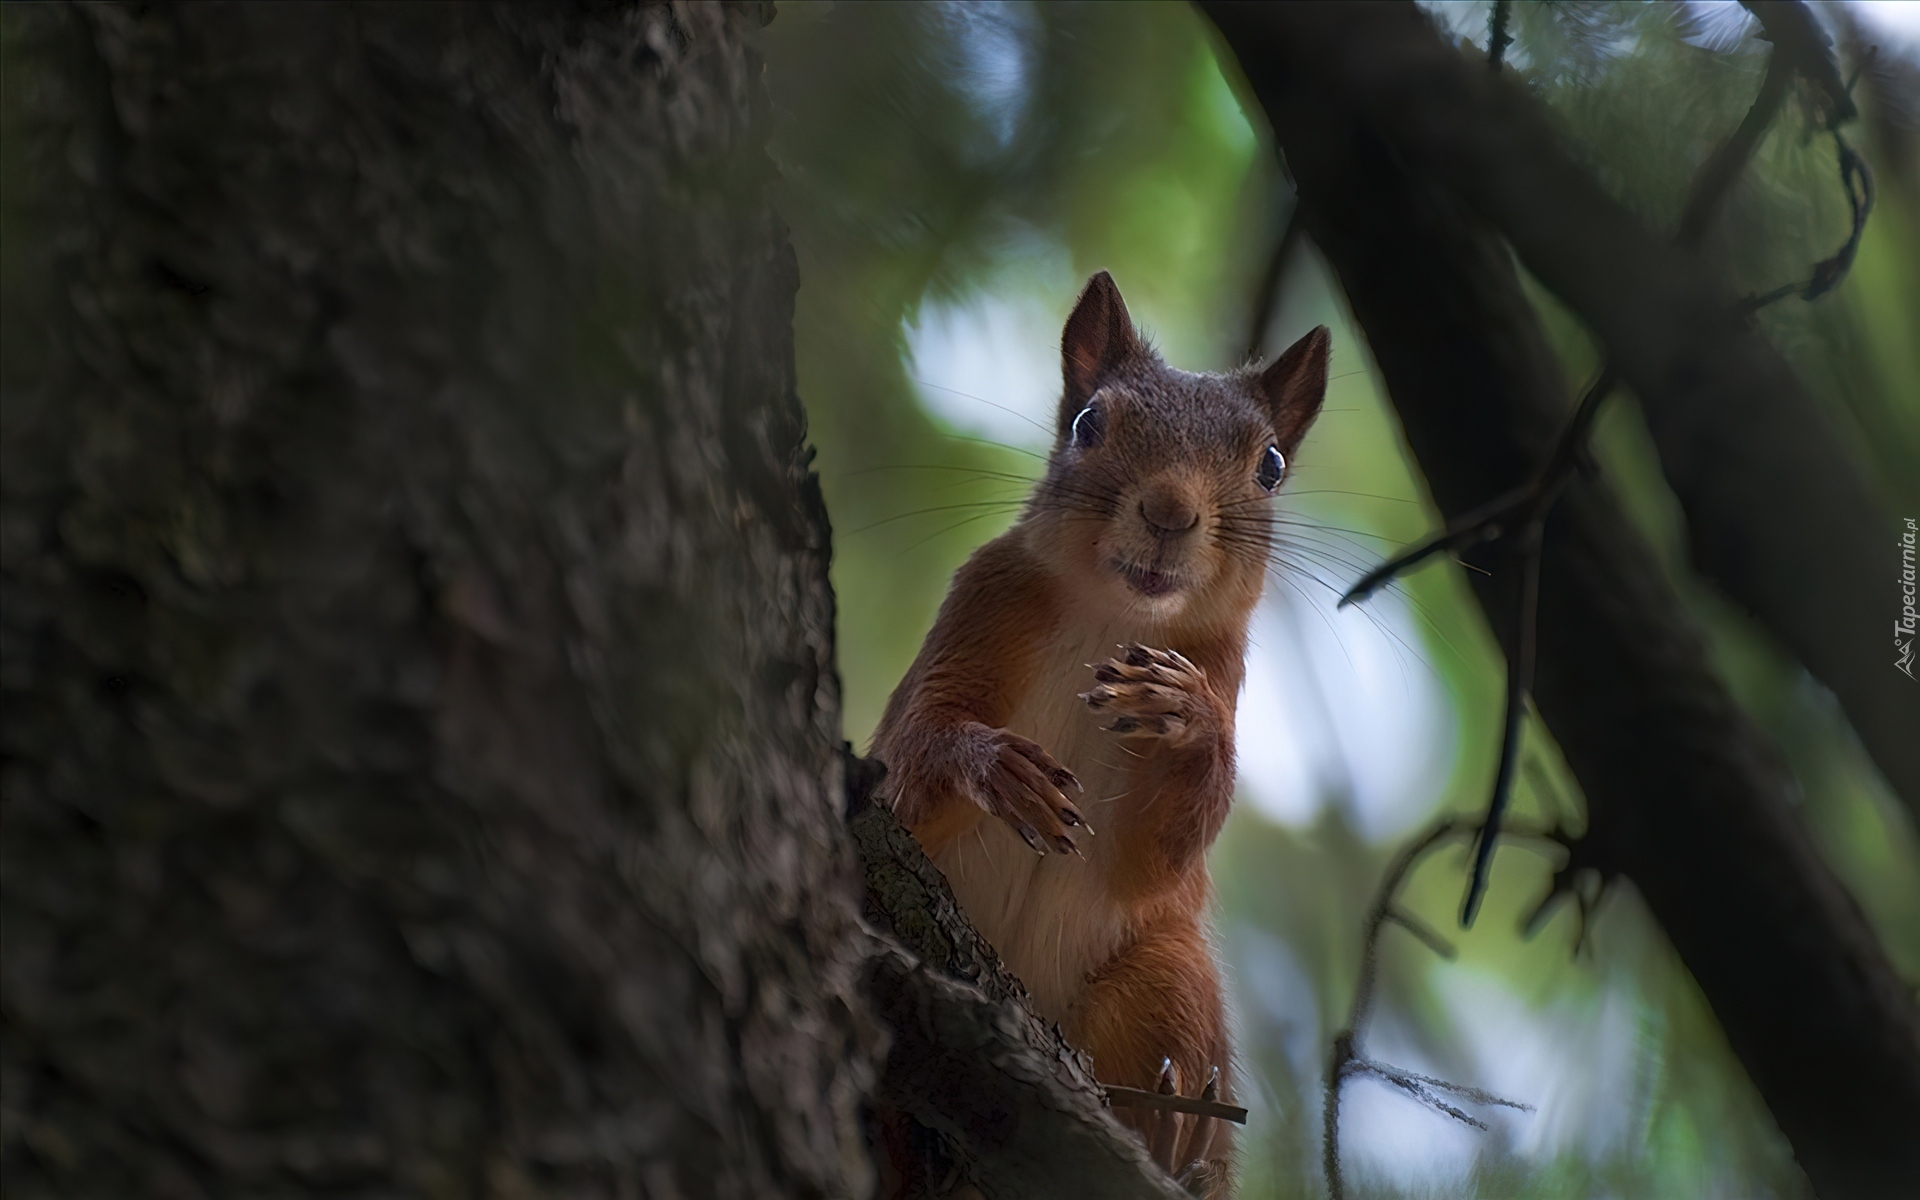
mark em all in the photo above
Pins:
pixel 1347 1059
pixel 1267 292
pixel 1806 549
pixel 1684 794
pixel 1498 39
pixel 1716 177
pixel 1521 518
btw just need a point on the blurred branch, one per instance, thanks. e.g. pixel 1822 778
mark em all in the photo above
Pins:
pixel 1348 1059
pixel 1266 300
pixel 1498 39
pixel 1519 520
pixel 1805 49
pixel 1807 549
pixel 1017 1109
pixel 1717 175
pixel 1684 794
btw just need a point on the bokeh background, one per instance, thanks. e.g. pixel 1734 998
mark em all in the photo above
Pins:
pixel 952 172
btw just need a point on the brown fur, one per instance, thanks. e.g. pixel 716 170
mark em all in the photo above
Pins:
pixel 1120 599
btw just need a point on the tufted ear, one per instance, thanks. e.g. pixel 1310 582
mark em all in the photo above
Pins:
pixel 1294 386
pixel 1099 337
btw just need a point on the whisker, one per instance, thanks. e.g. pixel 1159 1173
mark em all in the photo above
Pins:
pixel 949 529
pixel 982 400
pixel 1321 556
pixel 1304 524
pixel 1286 492
pixel 1359 496
pixel 1412 602
pixel 980 441
pixel 1352 558
pixel 1009 476
pixel 921 512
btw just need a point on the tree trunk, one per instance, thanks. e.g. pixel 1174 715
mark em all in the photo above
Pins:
pixel 1684 794
pixel 423 763
pixel 421 729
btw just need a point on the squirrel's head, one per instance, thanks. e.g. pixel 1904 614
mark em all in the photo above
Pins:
pixel 1159 486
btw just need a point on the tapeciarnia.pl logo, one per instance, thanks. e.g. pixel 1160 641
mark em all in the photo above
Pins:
pixel 1903 628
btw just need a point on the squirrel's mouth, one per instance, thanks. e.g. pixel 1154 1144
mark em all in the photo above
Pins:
pixel 1146 580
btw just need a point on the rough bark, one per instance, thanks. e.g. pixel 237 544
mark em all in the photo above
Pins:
pixel 1779 513
pixel 420 727
pixel 1685 796
pixel 421 737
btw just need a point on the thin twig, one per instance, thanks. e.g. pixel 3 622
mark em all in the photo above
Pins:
pixel 1520 517
pixel 1519 696
pixel 1804 48
pixel 1857 179
pixel 1422 1088
pixel 1478 525
pixel 1126 1097
pixel 1425 932
pixel 1507 511
pixel 1347 1059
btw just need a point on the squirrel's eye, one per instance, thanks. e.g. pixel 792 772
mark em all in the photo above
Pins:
pixel 1086 427
pixel 1273 468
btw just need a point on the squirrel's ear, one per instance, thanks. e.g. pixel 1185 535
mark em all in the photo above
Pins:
pixel 1098 338
pixel 1294 386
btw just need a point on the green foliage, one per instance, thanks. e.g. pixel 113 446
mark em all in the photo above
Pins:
pixel 937 157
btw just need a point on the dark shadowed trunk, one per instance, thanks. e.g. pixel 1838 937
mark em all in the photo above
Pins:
pixel 1684 794
pixel 422 744
pixel 421 732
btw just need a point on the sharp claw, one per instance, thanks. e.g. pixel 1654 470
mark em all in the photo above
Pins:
pixel 1071 816
pixel 1066 846
pixel 1200 1138
pixel 1031 836
pixel 1166 1135
pixel 1063 777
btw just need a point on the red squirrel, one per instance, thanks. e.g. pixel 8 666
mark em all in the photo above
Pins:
pixel 1063 744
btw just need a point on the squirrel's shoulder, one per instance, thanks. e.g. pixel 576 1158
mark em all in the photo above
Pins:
pixel 1002 576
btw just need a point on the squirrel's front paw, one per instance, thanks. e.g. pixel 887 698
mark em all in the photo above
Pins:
pixel 1151 693
pixel 1023 786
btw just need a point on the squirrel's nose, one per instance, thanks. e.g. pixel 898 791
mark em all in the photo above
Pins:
pixel 1167 511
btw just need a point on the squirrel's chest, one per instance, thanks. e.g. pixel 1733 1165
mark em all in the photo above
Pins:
pixel 1054 919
